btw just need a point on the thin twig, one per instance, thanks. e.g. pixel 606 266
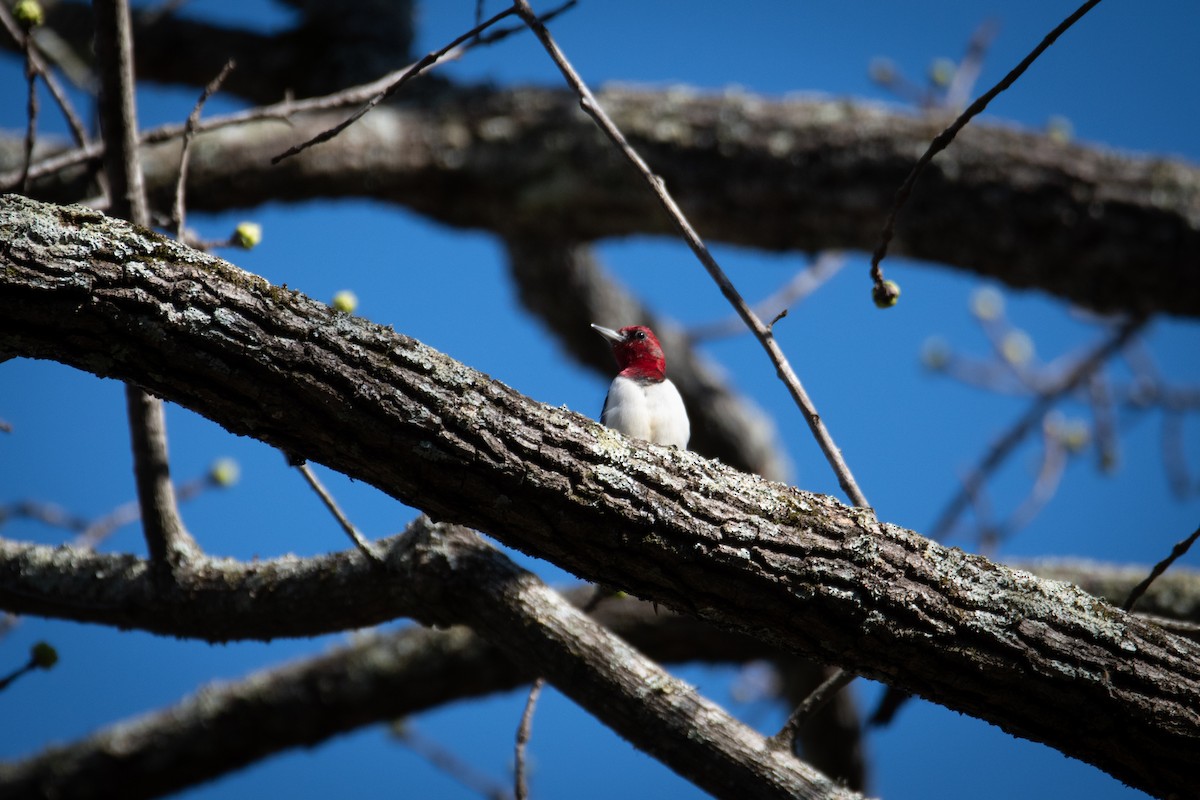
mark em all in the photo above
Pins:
pixel 943 139
pixel 971 65
pixel 447 761
pixel 35 56
pixel 472 38
pixel 276 111
pixel 31 110
pixel 179 211
pixel 92 531
pixel 520 783
pixel 326 498
pixel 1007 443
pixel 1049 477
pixel 411 72
pixel 46 513
pixel 1177 551
pixel 802 284
pixel 1174 456
pixel 1104 422
pixel 590 106
pixel 816 700
pixel 999 332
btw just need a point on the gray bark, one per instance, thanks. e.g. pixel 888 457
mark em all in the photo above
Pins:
pixel 800 571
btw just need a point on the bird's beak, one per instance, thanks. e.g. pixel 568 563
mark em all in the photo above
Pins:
pixel 608 333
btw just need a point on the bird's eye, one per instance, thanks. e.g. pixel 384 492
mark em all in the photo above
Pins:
pixel 639 335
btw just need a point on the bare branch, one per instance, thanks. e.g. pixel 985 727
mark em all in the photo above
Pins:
pixel 813 703
pixel 1045 660
pixel 1007 442
pixel 331 504
pixel 429 60
pixel 447 761
pixel 943 139
pixel 770 174
pixel 1177 551
pixel 37 63
pixel 520 783
pixel 179 212
pixel 806 281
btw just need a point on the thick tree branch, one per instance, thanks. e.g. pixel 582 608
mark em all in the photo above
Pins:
pixel 447 574
pixel 220 600
pixel 468 581
pixel 1043 660
pixel 374 680
pixel 1107 231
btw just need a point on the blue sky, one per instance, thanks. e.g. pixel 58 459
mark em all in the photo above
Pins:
pixel 1124 77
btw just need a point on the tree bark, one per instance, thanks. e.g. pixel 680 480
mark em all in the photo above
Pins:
pixel 446 575
pixel 1107 231
pixel 378 678
pixel 1042 660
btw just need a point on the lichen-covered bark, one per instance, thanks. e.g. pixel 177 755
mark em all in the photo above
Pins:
pixel 374 680
pixel 1043 660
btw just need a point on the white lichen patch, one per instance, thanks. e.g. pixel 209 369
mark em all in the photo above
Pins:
pixel 227 318
pixel 735 531
pixel 614 478
pixel 192 317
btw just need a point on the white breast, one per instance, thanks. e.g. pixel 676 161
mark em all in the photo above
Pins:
pixel 650 411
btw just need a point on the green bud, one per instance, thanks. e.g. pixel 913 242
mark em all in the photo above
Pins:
pixel 987 303
pixel 346 301
pixel 28 13
pixel 1060 129
pixel 1074 434
pixel 886 294
pixel 224 472
pixel 1017 347
pixel 941 72
pixel 247 235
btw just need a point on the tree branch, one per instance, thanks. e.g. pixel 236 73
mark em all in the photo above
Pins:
pixel 776 175
pixel 389 676
pixel 1042 660
pixel 165 534
pixel 470 582
pixel 383 677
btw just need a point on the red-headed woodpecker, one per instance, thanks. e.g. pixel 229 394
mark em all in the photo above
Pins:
pixel 641 402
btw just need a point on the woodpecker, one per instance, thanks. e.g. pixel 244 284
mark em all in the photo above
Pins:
pixel 641 402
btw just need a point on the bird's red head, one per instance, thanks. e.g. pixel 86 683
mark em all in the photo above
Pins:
pixel 638 353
